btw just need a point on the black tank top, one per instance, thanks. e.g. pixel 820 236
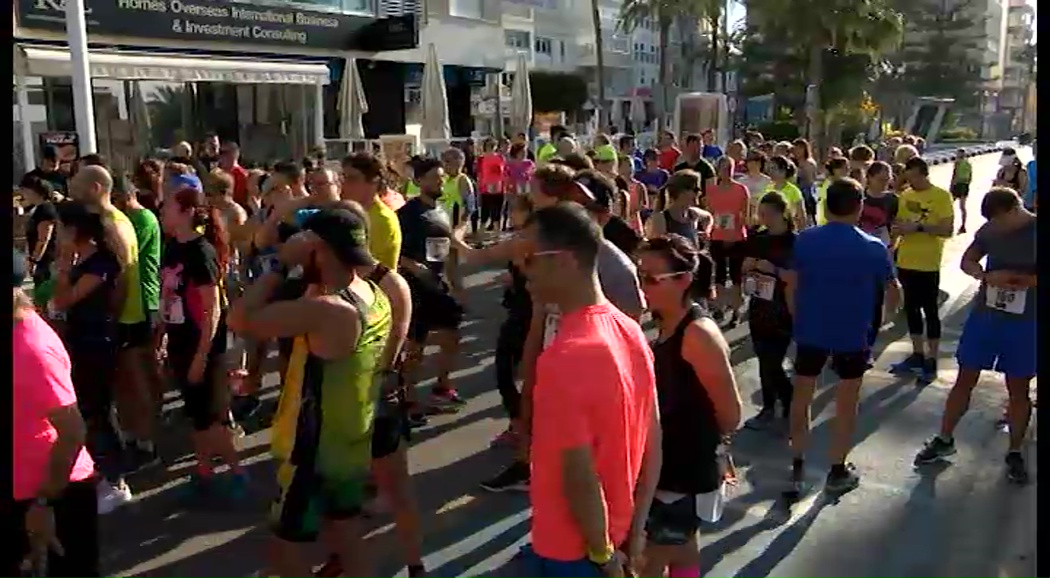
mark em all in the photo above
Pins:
pixel 687 230
pixel 687 418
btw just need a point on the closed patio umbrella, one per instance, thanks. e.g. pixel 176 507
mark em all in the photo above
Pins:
pixel 352 103
pixel 138 113
pixel 434 99
pixel 521 97
pixel 637 113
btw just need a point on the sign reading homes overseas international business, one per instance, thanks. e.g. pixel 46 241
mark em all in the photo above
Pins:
pixel 209 20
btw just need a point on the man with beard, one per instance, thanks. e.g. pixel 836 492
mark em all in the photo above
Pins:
pixel 322 430
pixel 426 239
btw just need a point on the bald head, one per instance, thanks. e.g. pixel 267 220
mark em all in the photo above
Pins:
pixel 182 149
pixel 92 185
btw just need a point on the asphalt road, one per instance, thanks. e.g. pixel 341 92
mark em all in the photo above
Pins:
pixel 960 520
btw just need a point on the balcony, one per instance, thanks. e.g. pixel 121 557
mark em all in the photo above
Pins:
pixel 617 55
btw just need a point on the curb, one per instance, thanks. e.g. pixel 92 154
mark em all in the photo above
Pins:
pixel 939 158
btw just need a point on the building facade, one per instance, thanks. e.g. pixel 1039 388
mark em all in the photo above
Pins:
pixel 558 35
pixel 1019 66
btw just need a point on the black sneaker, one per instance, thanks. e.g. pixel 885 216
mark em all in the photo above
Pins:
pixel 244 407
pixel 763 420
pixel 1016 471
pixel 514 477
pixel 928 373
pixel 936 449
pixel 842 480
pixel 914 363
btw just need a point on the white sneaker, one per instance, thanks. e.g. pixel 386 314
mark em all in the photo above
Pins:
pixel 111 497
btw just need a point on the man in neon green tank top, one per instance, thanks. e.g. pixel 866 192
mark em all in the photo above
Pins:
pixel 322 432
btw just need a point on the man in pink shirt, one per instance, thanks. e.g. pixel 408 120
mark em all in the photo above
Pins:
pixel 595 447
pixel 56 508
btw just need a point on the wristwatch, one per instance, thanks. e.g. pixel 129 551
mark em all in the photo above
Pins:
pixel 604 557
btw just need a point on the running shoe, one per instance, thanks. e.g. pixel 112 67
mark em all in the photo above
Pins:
pixel 416 571
pixel 842 480
pixel 509 438
pixel 914 363
pixel 1016 471
pixel 928 373
pixel 113 496
pixel 936 449
pixel 763 420
pixel 514 477
pixel 446 399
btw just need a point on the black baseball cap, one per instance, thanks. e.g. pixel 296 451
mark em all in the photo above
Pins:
pixel 601 193
pixel 343 232
pixel 18 274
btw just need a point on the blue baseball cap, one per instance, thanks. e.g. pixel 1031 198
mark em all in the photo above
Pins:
pixel 179 182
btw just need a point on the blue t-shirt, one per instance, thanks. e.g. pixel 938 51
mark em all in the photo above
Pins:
pixel 712 152
pixel 840 271
pixel 656 179
pixel 1029 195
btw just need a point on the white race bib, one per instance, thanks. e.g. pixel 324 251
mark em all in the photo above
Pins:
pixel 438 249
pixel 173 313
pixel 1010 301
pixel 760 286
pixel 725 221
pixel 550 325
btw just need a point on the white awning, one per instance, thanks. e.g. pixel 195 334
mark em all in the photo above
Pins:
pixel 31 61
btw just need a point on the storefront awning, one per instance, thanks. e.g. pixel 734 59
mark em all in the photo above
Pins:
pixel 31 61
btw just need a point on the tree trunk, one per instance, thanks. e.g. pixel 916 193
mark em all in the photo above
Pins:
pixel 599 57
pixel 663 105
pixel 725 47
pixel 814 77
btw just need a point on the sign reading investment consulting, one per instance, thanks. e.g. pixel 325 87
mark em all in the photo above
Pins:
pixel 203 20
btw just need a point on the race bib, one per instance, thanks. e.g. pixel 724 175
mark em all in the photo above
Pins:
pixel 173 312
pixel 550 325
pixel 760 286
pixel 1010 301
pixel 725 221
pixel 438 249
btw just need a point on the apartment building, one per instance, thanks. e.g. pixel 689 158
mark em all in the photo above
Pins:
pixel 558 35
pixel 1018 66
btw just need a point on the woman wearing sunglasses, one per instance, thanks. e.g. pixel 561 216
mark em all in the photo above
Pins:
pixel 699 405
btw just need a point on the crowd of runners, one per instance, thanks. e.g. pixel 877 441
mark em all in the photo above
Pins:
pixel 187 272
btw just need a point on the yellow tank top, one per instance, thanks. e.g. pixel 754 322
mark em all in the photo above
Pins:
pixel 134 310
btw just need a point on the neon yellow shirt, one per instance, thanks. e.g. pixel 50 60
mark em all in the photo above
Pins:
pixel 923 251
pixel 133 309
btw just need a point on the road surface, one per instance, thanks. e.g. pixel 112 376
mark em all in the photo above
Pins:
pixel 962 520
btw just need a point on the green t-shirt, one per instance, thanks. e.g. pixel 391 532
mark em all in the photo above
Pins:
pixel 147 232
pixel 963 171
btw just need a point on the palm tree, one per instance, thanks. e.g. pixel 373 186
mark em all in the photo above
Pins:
pixel 665 13
pixel 599 64
pixel 848 26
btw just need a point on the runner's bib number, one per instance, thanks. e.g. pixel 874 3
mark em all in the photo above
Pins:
pixel 760 286
pixel 725 221
pixel 437 249
pixel 174 313
pixel 1010 301
pixel 550 325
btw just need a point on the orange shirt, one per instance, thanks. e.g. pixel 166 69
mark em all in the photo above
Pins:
pixel 608 408
pixel 668 158
pixel 728 205
pixel 490 173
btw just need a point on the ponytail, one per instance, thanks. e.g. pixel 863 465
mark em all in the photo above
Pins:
pixel 213 227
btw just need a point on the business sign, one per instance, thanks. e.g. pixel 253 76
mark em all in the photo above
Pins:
pixel 65 143
pixel 203 20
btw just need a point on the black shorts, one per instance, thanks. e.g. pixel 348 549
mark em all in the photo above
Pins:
pixel 433 309
pixel 134 335
pixel 729 262
pixel 673 524
pixel 206 403
pixel 960 190
pixel 390 430
pixel 809 362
